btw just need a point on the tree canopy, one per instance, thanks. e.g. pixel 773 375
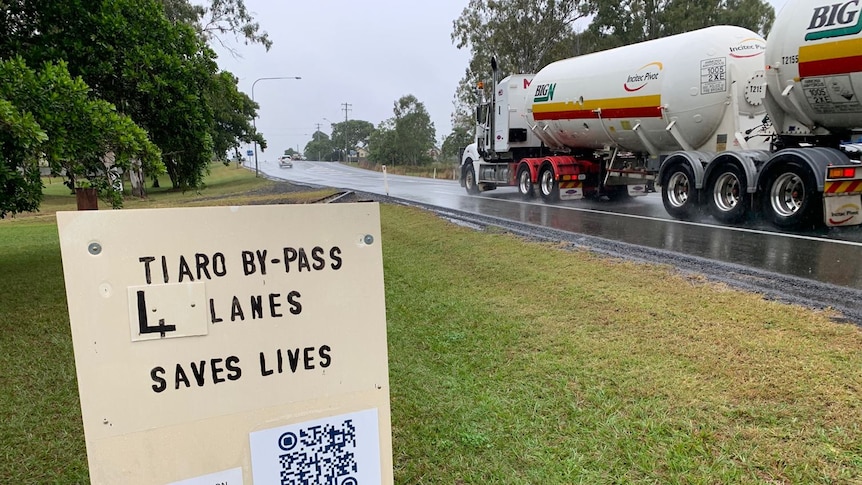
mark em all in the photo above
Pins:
pixel 460 137
pixel 629 21
pixel 523 35
pixel 147 60
pixel 48 117
pixel 351 134
pixel 407 138
pixel 320 147
pixel 218 18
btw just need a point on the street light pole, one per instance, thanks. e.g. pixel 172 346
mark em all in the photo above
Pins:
pixel 330 127
pixel 253 123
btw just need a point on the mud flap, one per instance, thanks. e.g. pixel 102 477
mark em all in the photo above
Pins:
pixel 571 190
pixel 637 190
pixel 844 210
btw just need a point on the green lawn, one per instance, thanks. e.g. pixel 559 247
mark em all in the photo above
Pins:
pixel 510 362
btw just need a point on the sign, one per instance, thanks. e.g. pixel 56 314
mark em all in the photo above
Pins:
pixel 220 345
pixel 249 153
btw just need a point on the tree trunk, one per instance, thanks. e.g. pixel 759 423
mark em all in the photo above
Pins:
pixel 136 178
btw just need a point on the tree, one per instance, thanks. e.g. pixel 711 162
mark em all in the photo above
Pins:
pixel 49 116
pixel 233 110
pixel 453 144
pixel 407 138
pixel 351 134
pixel 219 18
pixel 319 148
pixel 414 129
pixel 618 23
pixel 156 71
pixel 383 144
pixel 232 114
pixel 756 15
pixel 523 35
pixel 20 181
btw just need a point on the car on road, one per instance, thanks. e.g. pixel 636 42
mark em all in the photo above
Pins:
pixel 285 162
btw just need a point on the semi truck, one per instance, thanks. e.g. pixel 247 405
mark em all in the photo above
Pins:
pixel 718 120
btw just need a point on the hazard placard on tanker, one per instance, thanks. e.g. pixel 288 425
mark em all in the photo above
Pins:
pixel 713 76
pixel 833 94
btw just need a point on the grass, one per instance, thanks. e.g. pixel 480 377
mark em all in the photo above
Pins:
pixel 512 362
pixel 437 170
pixel 580 369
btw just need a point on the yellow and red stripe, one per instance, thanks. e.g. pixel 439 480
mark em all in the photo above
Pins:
pixel 830 58
pixel 570 184
pixel 648 106
pixel 842 186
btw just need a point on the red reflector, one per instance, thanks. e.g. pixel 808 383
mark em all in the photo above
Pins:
pixel 849 172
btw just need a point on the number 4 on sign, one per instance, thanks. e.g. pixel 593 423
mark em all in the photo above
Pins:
pixel 143 325
pixel 167 311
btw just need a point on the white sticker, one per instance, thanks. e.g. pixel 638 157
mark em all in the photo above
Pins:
pixel 166 311
pixel 342 449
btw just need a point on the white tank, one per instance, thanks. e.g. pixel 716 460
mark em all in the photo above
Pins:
pixel 814 59
pixel 678 92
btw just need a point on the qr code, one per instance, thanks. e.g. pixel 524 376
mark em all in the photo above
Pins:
pixel 333 450
pixel 319 455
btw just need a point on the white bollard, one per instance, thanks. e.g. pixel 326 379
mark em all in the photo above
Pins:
pixel 385 182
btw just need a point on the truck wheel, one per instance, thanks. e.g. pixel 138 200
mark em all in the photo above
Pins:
pixel 470 181
pixel 678 193
pixel 525 183
pixel 729 202
pixel 790 197
pixel 548 186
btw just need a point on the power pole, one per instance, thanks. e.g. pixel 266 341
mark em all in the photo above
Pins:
pixel 346 108
pixel 317 140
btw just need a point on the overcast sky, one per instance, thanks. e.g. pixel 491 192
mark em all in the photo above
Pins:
pixel 364 53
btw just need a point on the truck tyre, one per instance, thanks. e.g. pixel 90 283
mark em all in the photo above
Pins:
pixel 790 197
pixel 470 180
pixel 548 185
pixel 729 201
pixel 678 193
pixel 525 183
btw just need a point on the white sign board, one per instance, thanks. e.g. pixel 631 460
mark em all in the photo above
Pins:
pixel 206 338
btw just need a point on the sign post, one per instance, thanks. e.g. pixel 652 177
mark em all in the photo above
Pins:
pixel 230 345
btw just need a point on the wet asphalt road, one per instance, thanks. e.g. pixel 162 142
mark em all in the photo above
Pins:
pixel 832 256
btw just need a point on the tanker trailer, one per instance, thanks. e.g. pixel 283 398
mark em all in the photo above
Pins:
pixel 688 111
pixel 603 123
pixel 813 81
